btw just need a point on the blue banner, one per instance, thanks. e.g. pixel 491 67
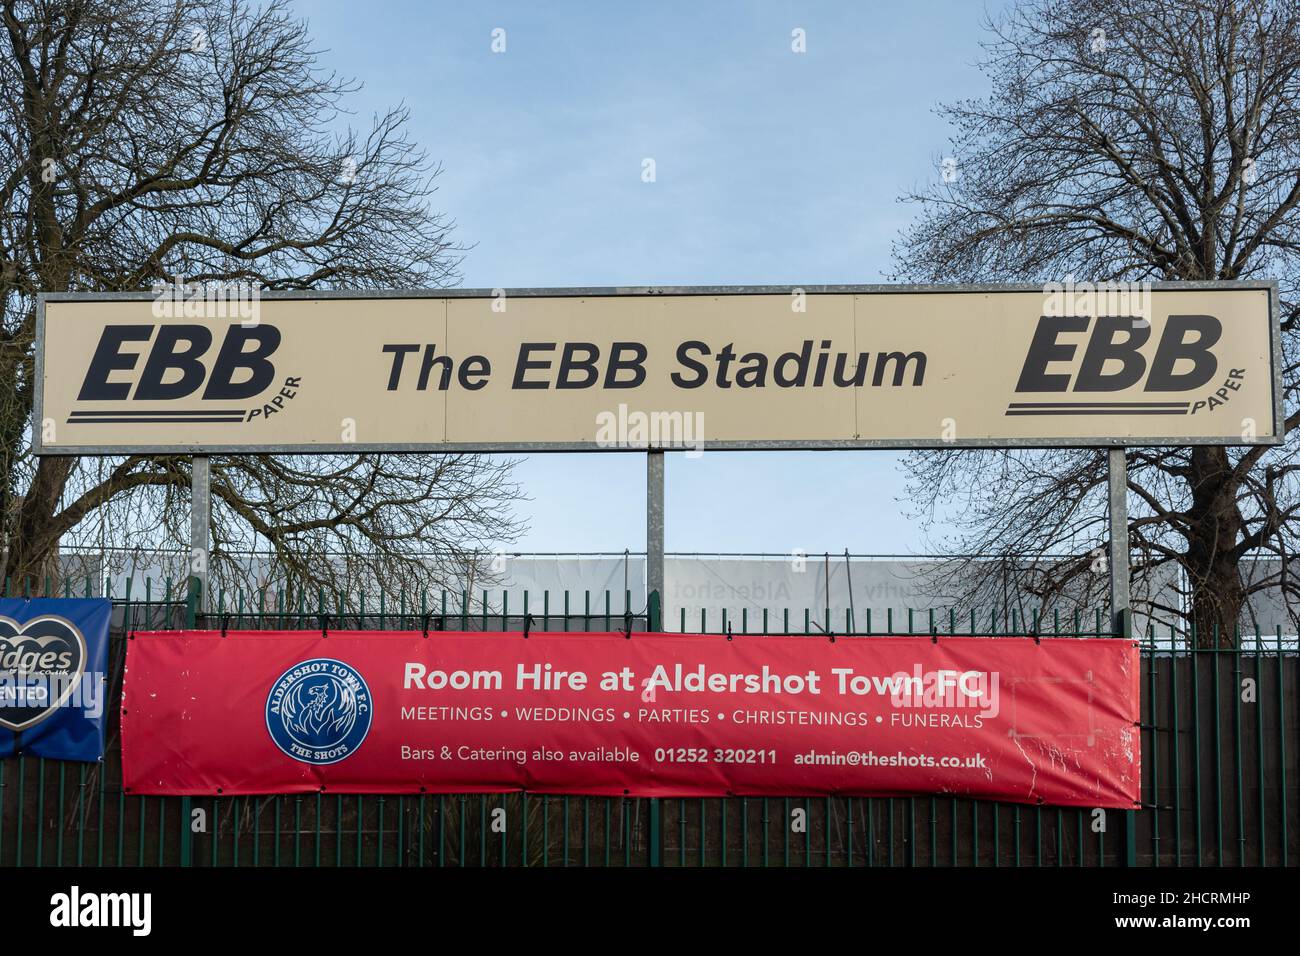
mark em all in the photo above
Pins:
pixel 53 677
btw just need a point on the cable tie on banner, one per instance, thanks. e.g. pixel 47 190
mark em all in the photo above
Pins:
pixel 934 636
pixel 529 620
pixel 627 625
pixel 324 625
pixel 225 620
pixel 427 618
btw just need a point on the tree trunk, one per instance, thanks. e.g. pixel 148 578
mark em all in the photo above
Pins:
pixel 33 541
pixel 1213 565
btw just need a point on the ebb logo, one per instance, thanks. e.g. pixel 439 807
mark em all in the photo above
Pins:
pixel 175 364
pixel 1119 340
pixel 1110 354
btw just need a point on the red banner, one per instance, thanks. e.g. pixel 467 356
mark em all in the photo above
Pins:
pixel 653 715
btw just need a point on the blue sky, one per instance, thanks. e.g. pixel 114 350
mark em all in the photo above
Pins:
pixel 772 167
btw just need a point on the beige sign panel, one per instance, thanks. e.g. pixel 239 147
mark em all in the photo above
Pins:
pixel 692 369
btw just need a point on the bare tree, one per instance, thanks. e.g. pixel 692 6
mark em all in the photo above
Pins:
pixel 1127 140
pixel 146 139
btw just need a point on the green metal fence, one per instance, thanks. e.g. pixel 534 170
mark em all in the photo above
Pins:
pixel 1219 728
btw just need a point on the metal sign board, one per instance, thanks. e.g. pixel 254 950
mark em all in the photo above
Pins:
pixel 689 368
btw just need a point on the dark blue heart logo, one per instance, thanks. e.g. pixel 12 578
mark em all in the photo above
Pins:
pixel 41 664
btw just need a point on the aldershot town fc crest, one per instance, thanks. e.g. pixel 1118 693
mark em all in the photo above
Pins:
pixel 319 711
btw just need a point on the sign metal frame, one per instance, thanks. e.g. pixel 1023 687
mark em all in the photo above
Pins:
pixel 525 447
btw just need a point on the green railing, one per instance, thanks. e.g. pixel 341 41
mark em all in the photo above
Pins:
pixel 1219 734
